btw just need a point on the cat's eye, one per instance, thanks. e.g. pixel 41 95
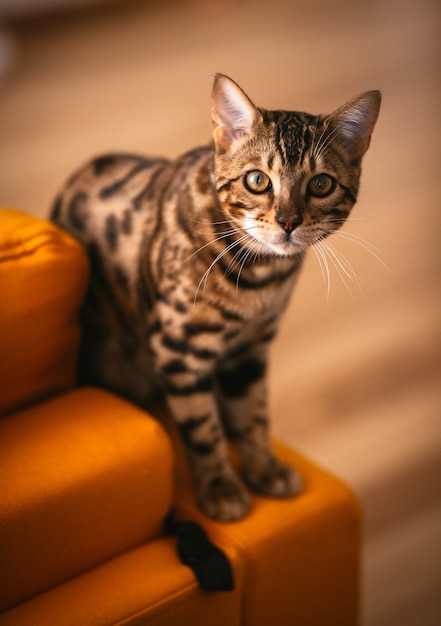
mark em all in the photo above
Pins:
pixel 321 185
pixel 257 182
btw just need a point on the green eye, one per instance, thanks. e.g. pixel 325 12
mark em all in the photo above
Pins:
pixel 321 185
pixel 257 182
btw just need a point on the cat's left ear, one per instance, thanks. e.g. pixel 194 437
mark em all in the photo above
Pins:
pixel 355 121
pixel 233 114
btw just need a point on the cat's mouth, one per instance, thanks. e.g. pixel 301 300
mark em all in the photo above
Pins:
pixel 276 241
pixel 289 246
pixel 284 244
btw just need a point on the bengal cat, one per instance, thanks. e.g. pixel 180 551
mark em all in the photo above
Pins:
pixel 193 262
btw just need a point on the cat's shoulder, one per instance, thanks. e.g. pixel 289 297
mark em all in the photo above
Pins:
pixel 104 180
pixel 114 166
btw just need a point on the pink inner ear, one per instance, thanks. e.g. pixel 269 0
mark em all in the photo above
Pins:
pixel 222 137
pixel 232 110
pixel 356 121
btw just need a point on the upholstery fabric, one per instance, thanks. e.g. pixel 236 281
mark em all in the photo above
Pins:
pixel 83 477
pixel 43 278
pixel 87 479
pixel 301 554
pixel 146 586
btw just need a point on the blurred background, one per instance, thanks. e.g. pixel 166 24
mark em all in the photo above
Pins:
pixel 356 372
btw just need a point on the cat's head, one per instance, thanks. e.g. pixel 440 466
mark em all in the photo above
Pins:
pixel 286 178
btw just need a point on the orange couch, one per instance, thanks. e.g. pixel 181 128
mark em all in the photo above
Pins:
pixel 87 481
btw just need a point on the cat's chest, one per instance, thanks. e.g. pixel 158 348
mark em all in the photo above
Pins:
pixel 259 294
pixel 246 315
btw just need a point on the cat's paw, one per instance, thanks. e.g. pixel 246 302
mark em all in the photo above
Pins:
pixel 224 498
pixel 276 479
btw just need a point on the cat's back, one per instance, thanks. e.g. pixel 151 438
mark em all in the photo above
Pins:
pixel 111 197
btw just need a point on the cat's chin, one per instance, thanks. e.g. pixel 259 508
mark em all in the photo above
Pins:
pixel 286 248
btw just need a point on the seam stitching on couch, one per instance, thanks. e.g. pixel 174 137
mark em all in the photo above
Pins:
pixel 44 238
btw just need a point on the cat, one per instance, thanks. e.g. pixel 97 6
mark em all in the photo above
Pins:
pixel 193 261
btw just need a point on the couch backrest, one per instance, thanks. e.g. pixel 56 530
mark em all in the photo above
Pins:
pixel 43 279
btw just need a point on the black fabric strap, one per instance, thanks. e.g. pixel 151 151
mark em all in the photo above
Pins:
pixel 209 564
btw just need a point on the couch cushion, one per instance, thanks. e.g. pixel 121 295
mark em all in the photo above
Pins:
pixel 83 477
pixel 301 555
pixel 43 278
pixel 145 586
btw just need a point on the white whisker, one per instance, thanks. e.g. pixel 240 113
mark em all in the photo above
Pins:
pixel 249 252
pixel 342 265
pixel 224 235
pixel 373 250
pixel 342 261
pixel 208 223
pixel 324 141
pixel 324 266
pixel 218 257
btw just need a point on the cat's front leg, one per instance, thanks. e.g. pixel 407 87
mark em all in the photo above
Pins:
pixel 221 494
pixel 243 397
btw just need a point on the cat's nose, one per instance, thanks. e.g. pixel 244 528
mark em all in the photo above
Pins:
pixel 289 222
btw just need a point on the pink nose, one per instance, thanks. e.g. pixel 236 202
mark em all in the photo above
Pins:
pixel 289 222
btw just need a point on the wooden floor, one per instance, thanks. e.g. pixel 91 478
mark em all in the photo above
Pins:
pixel 355 376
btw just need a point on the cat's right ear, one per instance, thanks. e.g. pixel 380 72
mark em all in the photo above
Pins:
pixel 233 114
pixel 355 122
